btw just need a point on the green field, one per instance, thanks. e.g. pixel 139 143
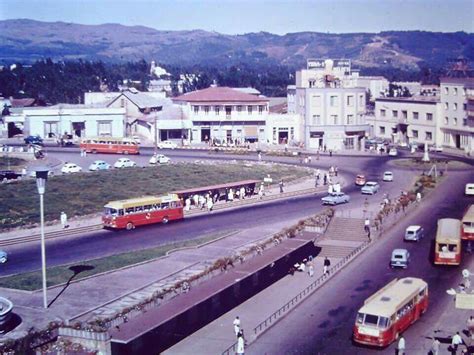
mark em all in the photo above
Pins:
pixel 87 193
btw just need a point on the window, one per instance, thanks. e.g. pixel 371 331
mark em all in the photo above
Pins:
pixel 274 134
pixel 382 129
pixel 428 136
pixel 104 128
pixel 446 121
pixel 464 121
pixel 217 109
pixel 429 117
pixel 350 119
pixel 317 119
pixel 455 106
pixel 415 115
pixel 261 108
pixel 196 109
pixel 446 90
pixel 292 132
pixel 404 115
pixel 228 110
pixel 383 113
pixel 316 100
pixel 446 138
pixel 51 129
pixel 414 133
pixel 446 106
pixel 361 100
pixel 350 100
pixel 333 101
pixel 395 113
pixel 334 119
pixel 455 91
pixel 249 109
pixel 455 121
pixel 122 102
pixel 206 110
pixel 239 108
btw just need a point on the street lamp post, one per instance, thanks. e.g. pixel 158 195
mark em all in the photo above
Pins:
pixel 41 177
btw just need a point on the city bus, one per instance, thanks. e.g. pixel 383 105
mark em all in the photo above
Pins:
pixel 468 224
pixel 448 242
pixel 110 145
pixel 391 310
pixel 130 213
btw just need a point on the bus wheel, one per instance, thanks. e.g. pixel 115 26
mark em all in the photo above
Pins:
pixel 129 226
pixel 165 220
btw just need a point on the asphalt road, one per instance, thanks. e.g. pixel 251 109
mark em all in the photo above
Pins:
pixel 73 249
pixel 323 323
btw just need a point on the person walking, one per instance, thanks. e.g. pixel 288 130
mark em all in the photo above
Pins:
pixel 309 159
pixel 456 341
pixel 435 347
pixel 259 156
pixel 401 346
pixel 236 324
pixel 210 205
pixel 281 186
pixel 335 170
pixel 311 270
pixel 470 327
pixel 326 265
pixel 240 344
pixel 325 180
pixel 63 219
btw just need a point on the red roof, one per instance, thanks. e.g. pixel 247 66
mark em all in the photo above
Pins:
pixel 23 102
pixel 219 94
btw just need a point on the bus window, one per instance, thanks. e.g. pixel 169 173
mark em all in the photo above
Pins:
pixel 147 207
pixel 383 322
pixel 442 247
pixel 129 210
pixel 120 212
pixel 139 209
pixel 165 205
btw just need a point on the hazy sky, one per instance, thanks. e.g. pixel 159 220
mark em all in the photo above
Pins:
pixel 243 16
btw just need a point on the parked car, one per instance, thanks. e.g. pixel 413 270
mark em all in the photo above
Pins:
pixel 400 258
pixel 3 257
pixel 70 168
pixel 393 152
pixel 414 233
pixel 387 176
pixel 469 190
pixel 159 159
pixel 436 148
pixel 99 165
pixel 34 140
pixel 360 180
pixel 9 175
pixel 167 145
pixel 370 187
pixel 335 198
pixel 124 163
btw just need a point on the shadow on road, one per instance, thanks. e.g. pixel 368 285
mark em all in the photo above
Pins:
pixel 76 269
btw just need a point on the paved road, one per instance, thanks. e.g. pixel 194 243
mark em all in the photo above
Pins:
pixel 323 324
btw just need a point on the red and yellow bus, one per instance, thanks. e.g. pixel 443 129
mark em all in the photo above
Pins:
pixel 448 242
pixel 391 310
pixel 110 145
pixel 468 224
pixel 142 210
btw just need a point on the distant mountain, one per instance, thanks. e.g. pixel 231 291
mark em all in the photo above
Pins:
pixel 27 40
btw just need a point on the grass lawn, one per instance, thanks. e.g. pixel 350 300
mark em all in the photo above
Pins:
pixel 87 193
pixel 31 281
pixel 11 163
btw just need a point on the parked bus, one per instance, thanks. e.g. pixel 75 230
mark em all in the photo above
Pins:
pixel 468 224
pixel 448 242
pixel 143 210
pixel 110 145
pixel 391 310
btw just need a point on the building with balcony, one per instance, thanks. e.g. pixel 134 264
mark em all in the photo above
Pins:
pixel 223 114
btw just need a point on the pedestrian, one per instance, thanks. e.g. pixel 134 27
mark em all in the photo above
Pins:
pixel 236 324
pixel 325 180
pixel 401 345
pixel 187 203
pixel 435 347
pixel 456 341
pixel 335 170
pixel 240 344
pixel 367 225
pixel 309 159
pixel 470 327
pixel 326 265
pixel 231 195
pixel 311 270
pixel 418 197
pixel 330 152
pixel 325 148
pixel 210 205
pixel 63 218
pixel 242 193
pixel 259 156
pixel 281 186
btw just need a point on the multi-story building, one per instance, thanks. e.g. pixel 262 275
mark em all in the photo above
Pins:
pixel 406 120
pixel 456 126
pixel 225 114
pixel 332 110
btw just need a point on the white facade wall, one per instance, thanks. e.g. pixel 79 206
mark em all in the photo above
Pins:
pixel 287 125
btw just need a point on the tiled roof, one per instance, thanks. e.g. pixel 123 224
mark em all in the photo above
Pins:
pixel 140 99
pixel 219 94
pixel 23 102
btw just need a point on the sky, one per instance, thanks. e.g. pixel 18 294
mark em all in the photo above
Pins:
pixel 244 16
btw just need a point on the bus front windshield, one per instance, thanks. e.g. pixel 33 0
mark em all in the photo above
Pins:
pixel 372 320
pixel 110 212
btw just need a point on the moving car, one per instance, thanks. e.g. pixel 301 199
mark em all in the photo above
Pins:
pixel 360 180
pixel 159 159
pixel 414 233
pixel 3 257
pixel 400 258
pixel 124 163
pixel 70 168
pixel 469 191
pixel 436 148
pixel 99 165
pixel 387 176
pixel 9 175
pixel 336 198
pixel 393 152
pixel 167 145
pixel 34 140
pixel 371 187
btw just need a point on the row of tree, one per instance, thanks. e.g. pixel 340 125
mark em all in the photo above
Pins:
pixel 65 82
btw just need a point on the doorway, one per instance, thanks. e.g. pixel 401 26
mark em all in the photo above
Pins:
pixel 79 128
pixel 457 140
pixel 205 134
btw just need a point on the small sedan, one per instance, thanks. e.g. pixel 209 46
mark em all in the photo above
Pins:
pixel 167 145
pixel 159 159
pixel 400 258
pixel 393 152
pixel 33 140
pixel 124 163
pixel 3 257
pixel 99 165
pixel 387 176
pixel 371 188
pixel 70 168
pixel 436 148
pixel 336 198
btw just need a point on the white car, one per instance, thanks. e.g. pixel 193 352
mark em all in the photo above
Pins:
pixel 387 176
pixel 167 145
pixel 159 159
pixel 99 165
pixel 393 152
pixel 124 163
pixel 370 187
pixel 469 189
pixel 70 168
pixel 436 148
